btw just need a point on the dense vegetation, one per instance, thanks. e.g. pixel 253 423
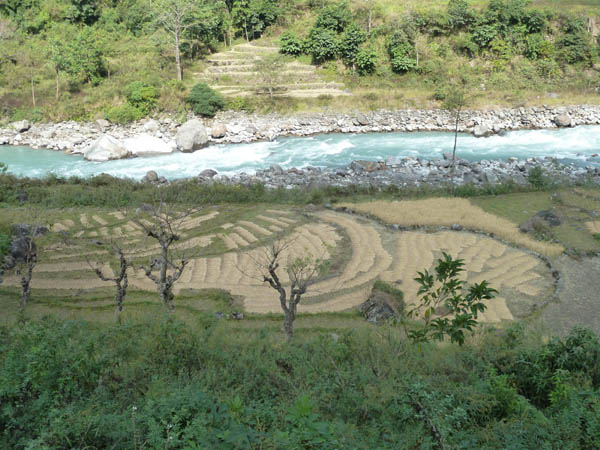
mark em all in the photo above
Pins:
pixel 82 59
pixel 164 384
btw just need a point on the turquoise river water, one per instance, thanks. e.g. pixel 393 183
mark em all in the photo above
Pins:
pixel 574 145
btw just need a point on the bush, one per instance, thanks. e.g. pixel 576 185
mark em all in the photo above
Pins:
pixel 323 45
pixel 124 114
pixel 142 96
pixel 240 104
pixel 350 43
pixel 334 17
pixel 290 44
pixel 205 101
pixel 4 244
pixel 538 178
pixel 366 61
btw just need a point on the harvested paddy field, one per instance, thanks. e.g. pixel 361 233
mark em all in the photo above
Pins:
pixel 227 241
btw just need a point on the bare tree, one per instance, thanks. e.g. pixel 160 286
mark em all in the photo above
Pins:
pixel 162 223
pixel 174 16
pixel 120 279
pixel 455 101
pixel 270 72
pixel 302 272
pixel 370 15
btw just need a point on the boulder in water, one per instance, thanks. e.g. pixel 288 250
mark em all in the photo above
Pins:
pixel 191 136
pixel 105 148
pixel 150 177
pixel 145 144
pixel 208 173
pixel 482 131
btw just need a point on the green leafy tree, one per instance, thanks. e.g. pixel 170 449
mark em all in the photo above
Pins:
pixel 83 57
pixel 322 45
pixel 290 44
pixel 350 41
pixel 334 17
pixel 459 14
pixel 270 72
pixel 366 61
pixel 442 294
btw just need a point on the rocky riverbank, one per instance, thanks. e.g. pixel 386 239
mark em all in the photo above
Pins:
pixel 102 140
pixel 410 172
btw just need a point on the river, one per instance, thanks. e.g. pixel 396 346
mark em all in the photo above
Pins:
pixel 572 145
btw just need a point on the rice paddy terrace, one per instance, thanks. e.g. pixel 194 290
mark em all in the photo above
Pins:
pixel 233 73
pixel 229 241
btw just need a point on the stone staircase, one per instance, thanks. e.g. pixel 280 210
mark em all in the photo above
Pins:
pixel 232 74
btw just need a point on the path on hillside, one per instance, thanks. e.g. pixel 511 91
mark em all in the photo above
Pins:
pixel 232 73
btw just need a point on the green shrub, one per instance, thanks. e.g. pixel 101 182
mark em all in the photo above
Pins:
pixel 322 45
pixel 350 43
pixel 334 17
pixel 142 96
pixel 4 244
pixel 124 114
pixel 205 101
pixel 366 61
pixel 538 178
pixel 240 104
pixel 290 44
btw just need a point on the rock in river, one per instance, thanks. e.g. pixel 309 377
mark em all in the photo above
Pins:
pixel 105 148
pixel 191 136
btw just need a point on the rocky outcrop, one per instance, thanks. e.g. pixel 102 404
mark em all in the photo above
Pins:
pixel 21 126
pixel 105 148
pixel 379 307
pixel 146 144
pixel 191 136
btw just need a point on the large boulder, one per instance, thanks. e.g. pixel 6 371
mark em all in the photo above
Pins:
pixel 482 131
pixel 151 126
pixel 21 126
pixel 150 177
pixel 145 144
pixel 218 131
pixel 191 136
pixel 105 148
pixel 380 307
pixel 563 120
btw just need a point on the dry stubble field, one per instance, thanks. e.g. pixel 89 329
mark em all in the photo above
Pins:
pixel 227 240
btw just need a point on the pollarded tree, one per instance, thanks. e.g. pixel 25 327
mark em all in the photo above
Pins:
pixel 162 222
pixel 302 271
pixel 22 257
pixel 120 279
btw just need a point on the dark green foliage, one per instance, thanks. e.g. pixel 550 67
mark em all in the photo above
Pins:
pixel 459 14
pixel 322 45
pixel 483 35
pixel 163 384
pixel 290 44
pixel 205 101
pixel 402 52
pixel 334 17
pixel 350 42
pixel 366 61
pixel 4 244
pixel 142 96
pixel 574 45
pixel 442 294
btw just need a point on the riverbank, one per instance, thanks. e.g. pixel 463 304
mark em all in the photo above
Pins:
pixel 158 135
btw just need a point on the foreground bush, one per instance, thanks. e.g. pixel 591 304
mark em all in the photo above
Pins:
pixel 165 385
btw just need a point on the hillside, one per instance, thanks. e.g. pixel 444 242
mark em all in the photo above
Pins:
pixel 77 59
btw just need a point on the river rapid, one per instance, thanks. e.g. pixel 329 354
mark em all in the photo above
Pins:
pixel 579 146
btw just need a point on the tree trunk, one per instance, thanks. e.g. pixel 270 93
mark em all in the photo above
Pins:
pixel 178 57
pixel 32 91
pixel 246 31
pixel 57 86
pixel 453 171
pixel 288 326
pixel 25 289
pixel 370 14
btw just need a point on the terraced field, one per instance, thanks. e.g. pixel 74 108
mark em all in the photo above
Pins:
pixel 227 242
pixel 233 73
